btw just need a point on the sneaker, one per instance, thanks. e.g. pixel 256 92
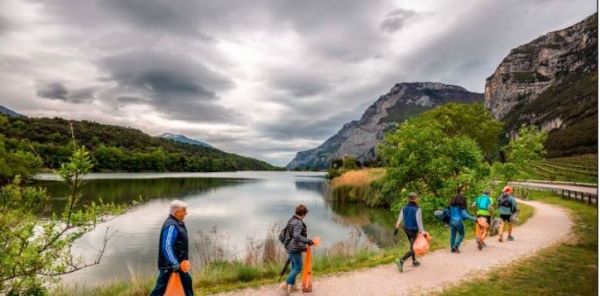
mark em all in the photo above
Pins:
pixel 484 245
pixel 500 239
pixel 400 263
pixel 293 288
pixel 453 250
pixel 510 238
pixel 416 263
pixel 479 244
pixel 456 249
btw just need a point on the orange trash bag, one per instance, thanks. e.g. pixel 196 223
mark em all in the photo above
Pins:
pixel 421 245
pixel 174 287
pixel 307 272
pixel 482 221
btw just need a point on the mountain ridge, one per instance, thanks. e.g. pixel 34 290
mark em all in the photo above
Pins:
pixel 359 137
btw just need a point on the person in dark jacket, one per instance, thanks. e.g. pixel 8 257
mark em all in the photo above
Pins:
pixel 296 246
pixel 411 217
pixel 458 212
pixel 173 249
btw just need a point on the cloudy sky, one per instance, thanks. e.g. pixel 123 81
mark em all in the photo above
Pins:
pixel 262 78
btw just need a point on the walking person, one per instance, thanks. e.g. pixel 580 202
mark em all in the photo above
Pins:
pixel 458 212
pixel 507 207
pixel 482 206
pixel 296 246
pixel 173 250
pixel 411 217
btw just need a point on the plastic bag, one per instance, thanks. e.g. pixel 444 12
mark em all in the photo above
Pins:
pixel 174 287
pixel 482 221
pixel 421 245
pixel 307 272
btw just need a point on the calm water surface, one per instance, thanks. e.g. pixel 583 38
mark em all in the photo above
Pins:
pixel 239 205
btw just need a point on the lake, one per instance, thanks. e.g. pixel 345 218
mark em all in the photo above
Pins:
pixel 239 205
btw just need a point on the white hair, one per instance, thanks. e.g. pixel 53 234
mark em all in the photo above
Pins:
pixel 177 204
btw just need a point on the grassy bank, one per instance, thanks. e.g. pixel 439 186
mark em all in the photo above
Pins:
pixel 355 186
pixel 224 275
pixel 569 268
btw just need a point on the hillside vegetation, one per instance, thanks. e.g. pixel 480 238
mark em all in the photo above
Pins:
pixel 582 168
pixel 116 148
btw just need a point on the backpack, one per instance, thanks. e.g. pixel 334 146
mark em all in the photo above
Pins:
pixel 504 200
pixel 284 235
pixel 483 203
pixel 443 215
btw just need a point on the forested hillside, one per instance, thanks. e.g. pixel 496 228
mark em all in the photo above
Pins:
pixel 116 148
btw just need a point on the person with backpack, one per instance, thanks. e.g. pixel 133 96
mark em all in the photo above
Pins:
pixel 482 206
pixel 411 217
pixel 458 212
pixel 507 207
pixel 295 245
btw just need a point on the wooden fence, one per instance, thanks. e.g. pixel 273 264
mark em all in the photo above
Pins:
pixel 584 197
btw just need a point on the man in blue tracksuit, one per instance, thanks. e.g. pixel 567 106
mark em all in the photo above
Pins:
pixel 411 216
pixel 173 250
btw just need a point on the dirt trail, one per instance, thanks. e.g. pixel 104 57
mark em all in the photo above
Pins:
pixel 439 269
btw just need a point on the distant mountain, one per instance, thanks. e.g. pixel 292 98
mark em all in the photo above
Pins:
pixel 183 139
pixel 551 82
pixel 4 110
pixel 358 138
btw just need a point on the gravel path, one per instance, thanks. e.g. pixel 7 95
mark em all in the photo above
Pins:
pixel 549 225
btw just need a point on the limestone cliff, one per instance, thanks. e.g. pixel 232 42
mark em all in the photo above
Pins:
pixel 358 138
pixel 551 82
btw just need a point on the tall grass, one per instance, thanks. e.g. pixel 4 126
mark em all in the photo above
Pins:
pixel 355 186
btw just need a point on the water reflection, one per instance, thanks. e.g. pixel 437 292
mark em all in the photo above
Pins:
pixel 239 205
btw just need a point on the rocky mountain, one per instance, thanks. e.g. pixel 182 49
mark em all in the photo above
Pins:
pixel 358 138
pixel 551 82
pixel 184 139
pixel 4 110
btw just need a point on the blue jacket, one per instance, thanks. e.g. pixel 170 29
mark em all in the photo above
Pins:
pixel 458 214
pixel 173 244
pixel 411 217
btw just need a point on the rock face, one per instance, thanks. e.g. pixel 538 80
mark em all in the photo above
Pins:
pixel 525 86
pixel 358 138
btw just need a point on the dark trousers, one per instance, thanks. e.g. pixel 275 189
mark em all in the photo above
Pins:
pixel 163 280
pixel 412 236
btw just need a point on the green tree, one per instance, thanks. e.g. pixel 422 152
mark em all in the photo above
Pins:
pixel 419 156
pixel 525 147
pixel 472 120
pixel 35 250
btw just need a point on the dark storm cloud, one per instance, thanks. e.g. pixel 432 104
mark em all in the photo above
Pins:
pixel 397 19
pixel 57 91
pixel 53 91
pixel 175 85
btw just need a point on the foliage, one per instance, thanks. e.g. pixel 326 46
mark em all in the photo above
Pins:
pixel 525 148
pixel 420 157
pixel 472 120
pixel 16 161
pixel 35 250
pixel 349 163
pixel 115 148
pixel 574 101
pixel 333 173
